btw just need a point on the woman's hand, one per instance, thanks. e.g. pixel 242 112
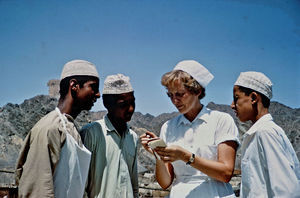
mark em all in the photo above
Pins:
pixel 146 138
pixel 172 153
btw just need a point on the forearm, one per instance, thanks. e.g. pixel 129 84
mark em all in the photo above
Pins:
pixel 217 170
pixel 164 175
pixel 222 169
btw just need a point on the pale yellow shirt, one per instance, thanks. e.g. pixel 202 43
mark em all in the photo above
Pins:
pixel 113 168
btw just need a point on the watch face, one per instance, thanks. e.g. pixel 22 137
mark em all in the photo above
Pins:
pixel 191 160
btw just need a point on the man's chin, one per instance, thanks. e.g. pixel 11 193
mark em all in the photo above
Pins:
pixel 88 107
pixel 128 118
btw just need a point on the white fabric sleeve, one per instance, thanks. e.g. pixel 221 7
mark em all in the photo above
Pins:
pixel 226 130
pixel 163 131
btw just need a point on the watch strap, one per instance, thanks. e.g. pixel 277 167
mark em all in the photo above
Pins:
pixel 191 160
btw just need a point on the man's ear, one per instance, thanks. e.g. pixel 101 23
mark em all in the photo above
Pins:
pixel 73 84
pixel 254 97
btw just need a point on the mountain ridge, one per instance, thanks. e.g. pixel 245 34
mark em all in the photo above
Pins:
pixel 16 120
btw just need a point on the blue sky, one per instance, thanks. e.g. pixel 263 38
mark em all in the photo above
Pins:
pixel 146 38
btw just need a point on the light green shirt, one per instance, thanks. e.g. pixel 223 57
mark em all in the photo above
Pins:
pixel 113 168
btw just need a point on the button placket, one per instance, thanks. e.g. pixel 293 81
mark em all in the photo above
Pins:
pixel 189 138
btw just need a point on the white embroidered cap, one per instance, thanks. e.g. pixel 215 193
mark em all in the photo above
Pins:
pixel 79 68
pixel 256 81
pixel 196 70
pixel 117 84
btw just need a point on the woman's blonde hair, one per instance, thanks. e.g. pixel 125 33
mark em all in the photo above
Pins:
pixel 170 79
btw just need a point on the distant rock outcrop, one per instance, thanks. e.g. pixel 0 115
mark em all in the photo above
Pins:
pixel 53 88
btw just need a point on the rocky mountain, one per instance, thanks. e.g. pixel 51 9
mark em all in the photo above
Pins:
pixel 16 121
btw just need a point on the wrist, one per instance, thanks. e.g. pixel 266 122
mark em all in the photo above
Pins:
pixel 191 159
pixel 187 156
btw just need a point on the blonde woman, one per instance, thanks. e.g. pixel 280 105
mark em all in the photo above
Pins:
pixel 201 143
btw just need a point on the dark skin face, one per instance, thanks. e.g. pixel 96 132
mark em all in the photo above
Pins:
pixel 248 107
pixel 243 105
pixel 87 95
pixel 121 113
pixel 79 98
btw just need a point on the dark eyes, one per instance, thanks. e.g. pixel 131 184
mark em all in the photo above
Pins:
pixel 177 94
pixel 95 87
pixel 125 104
pixel 235 98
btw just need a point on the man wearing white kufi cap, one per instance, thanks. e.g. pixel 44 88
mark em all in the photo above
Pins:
pixel 53 161
pixel 270 167
pixel 113 169
pixel 201 143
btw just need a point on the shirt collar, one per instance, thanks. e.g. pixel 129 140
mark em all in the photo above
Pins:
pixel 258 123
pixel 202 115
pixel 69 117
pixel 110 127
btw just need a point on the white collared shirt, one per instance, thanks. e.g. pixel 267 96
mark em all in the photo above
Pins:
pixel 201 136
pixel 270 167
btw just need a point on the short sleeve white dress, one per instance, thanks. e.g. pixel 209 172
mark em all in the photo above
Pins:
pixel 201 136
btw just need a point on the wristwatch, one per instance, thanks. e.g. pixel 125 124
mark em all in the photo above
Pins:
pixel 191 160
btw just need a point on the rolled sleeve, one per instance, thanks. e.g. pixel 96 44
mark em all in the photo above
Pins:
pixel 226 130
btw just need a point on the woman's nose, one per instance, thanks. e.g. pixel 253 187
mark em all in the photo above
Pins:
pixel 174 100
